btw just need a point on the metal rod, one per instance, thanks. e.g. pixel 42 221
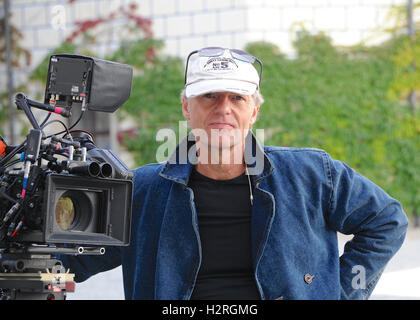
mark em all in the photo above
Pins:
pixel 70 250
pixel 21 103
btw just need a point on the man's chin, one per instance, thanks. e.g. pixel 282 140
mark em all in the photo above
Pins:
pixel 223 139
pixel 223 142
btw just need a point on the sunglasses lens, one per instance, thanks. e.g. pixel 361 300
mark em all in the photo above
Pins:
pixel 218 51
pixel 211 52
pixel 242 55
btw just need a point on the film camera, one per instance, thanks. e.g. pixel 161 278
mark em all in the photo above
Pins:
pixel 60 194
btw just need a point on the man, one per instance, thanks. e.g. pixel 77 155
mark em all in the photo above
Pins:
pixel 225 218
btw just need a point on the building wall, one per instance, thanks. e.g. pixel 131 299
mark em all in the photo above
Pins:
pixel 185 25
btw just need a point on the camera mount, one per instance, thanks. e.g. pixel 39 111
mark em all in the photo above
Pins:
pixel 63 195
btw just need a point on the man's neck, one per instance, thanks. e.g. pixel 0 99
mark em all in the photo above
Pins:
pixel 221 171
pixel 221 164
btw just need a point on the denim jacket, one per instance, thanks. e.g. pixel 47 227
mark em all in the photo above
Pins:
pixel 302 198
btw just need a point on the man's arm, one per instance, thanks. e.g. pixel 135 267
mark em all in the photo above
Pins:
pixel 85 266
pixel 357 206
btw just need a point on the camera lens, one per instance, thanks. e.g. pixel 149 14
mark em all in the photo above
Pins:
pixel 64 213
pixel 73 210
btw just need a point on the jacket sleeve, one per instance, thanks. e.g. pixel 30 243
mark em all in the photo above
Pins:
pixel 85 266
pixel 359 207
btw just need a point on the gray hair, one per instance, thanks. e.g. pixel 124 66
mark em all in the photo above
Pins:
pixel 257 96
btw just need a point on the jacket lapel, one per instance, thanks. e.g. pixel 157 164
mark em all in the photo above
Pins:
pixel 264 203
pixel 179 250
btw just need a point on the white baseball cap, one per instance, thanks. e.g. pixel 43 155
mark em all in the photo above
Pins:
pixel 220 73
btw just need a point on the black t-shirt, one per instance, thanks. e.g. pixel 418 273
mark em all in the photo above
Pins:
pixel 224 219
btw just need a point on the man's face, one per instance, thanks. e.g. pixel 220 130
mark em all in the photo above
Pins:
pixel 225 117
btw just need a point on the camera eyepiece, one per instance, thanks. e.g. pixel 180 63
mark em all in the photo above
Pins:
pixel 90 168
pixel 106 170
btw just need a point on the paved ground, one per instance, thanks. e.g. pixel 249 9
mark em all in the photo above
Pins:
pixel 400 280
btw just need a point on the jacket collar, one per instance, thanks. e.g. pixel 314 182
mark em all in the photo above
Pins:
pixel 179 165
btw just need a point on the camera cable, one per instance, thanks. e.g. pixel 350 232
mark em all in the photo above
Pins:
pixel 77 121
pixel 53 121
pixel 20 147
pixel 12 231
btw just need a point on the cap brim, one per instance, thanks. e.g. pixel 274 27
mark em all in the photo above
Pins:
pixel 218 85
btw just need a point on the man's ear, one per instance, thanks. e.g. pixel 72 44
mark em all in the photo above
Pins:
pixel 185 109
pixel 254 115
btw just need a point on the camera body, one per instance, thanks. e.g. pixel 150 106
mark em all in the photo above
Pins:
pixel 64 191
pixel 64 208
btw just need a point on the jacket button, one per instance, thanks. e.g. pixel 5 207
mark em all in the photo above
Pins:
pixel 308 278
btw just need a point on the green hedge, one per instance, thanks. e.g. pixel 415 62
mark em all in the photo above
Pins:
pixel 344 101
pixel 336 100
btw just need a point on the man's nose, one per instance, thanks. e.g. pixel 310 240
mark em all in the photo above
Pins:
pixel 224 104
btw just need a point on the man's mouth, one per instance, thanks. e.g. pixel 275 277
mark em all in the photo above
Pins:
pixel 220 125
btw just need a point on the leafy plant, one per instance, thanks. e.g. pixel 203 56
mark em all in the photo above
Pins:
pixel 336 100
pixel 21 56
pixel 19 53
pixel 345 100
pixel 407 56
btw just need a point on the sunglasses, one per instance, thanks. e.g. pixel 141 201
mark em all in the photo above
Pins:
pixel 218 51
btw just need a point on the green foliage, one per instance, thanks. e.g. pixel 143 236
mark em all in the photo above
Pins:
pixel 406 77
pixel 40 72
pixel 406 56
pixel 20 53
pixel 154 102
pixel 337 101
pixel 137 53
pixel 21 57
pixel 342 100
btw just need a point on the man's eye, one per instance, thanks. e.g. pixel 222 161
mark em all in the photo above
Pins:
pixel 239 98
pixel 208 95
